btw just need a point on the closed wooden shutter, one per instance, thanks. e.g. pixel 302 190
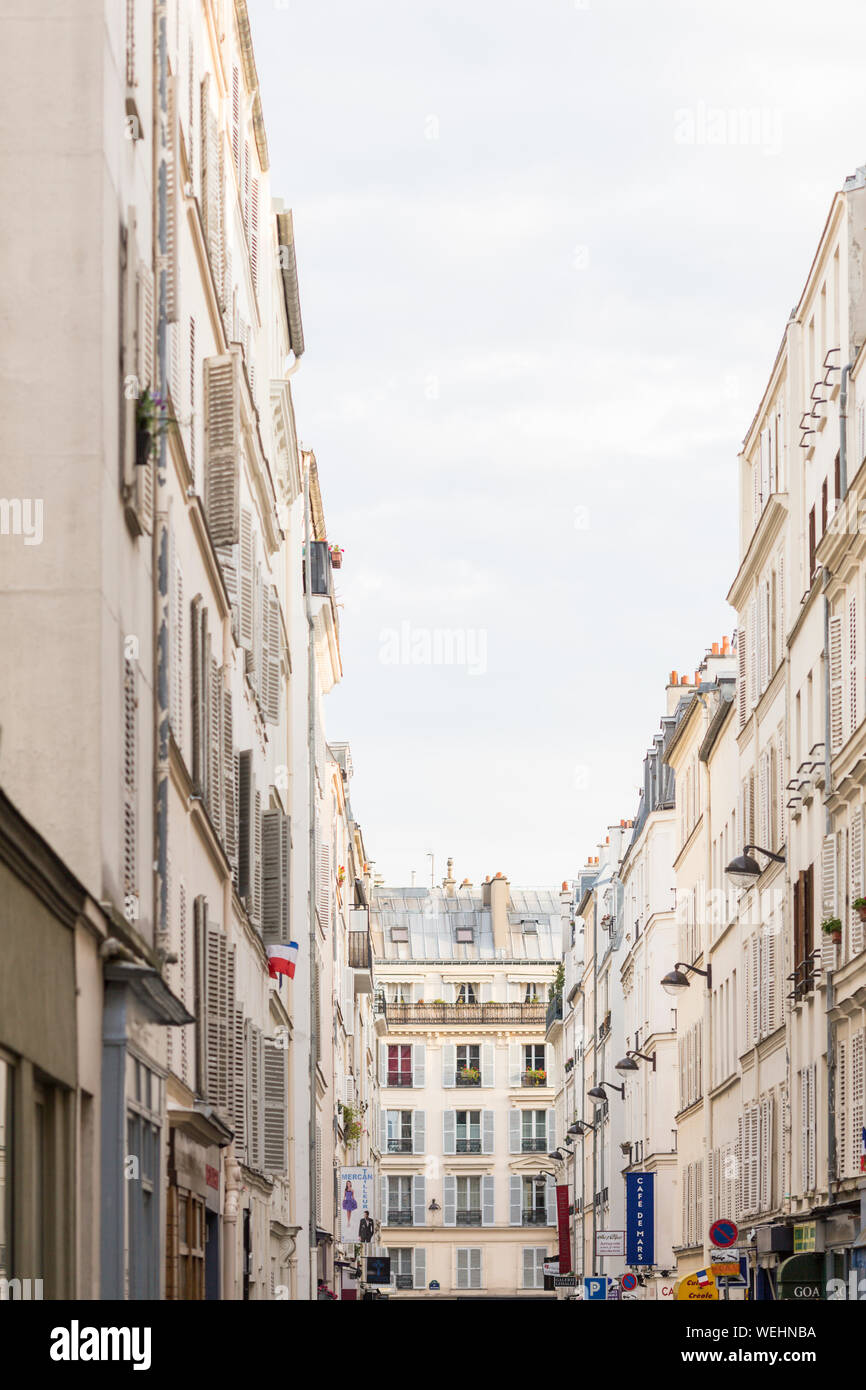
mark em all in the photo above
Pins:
pixel 829 897
pixel 488 1206
pixel 449 1200
pixel 852 664
pixel 211 184
pixel 236 118
pixel 813 1167
pixel 178 643
pixel 515 1064
pixel 837 721
pixel 246 828
pixel 488 1056
pixel 780 599
pixel 130 791
pixel 742 689
pixel 754 639
pixel 449 1065
pixel 754 990
pixel 222 447
pixel 515 1200
pixel 419 1268
pixel 254 232
pixel 858 1117
pixel 239 1107
pixel 254 1099
pixel 172 216
pixel 215 749
pixel 256 916
pixel 276 860
pixel 419 1131
pixel 323 878
pixel 220 1007
pixel 781 778
pixel 841 1110
pixel 276 1107
pixel 245 584
pixel 419 1064
pixel 855 860
pixel 765 1165
pixel 419 1200
pixel 713 1185
pixel 488 1131
pixel 764 604
pixel 229 778
pixel 271 684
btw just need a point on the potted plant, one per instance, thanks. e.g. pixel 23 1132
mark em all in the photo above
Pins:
pixel 151 422
pixel 341 874
pixel 438 1001
pixel 860 908
pixel 536 1076
pixel 471 1075
pixel 337 556
pixel 832 927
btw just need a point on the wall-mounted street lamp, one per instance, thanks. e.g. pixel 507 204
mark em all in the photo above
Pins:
pixel 675 981
pixel 627 1063
pixel 597 1092
pixel 581 1128
pixel 744 870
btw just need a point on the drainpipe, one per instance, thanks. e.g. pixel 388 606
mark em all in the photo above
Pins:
pixel 234 1186
pixel 311 904
pixel 843 432
pixel 828 830
pixel 160 526
pixel 595 1070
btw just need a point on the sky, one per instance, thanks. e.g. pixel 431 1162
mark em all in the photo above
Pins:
pixel 546 253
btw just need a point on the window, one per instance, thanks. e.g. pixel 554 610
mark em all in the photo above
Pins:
pixel 534 1072
pixel 399 1192
pixel 190 1245
pixel 468 1131
pixel 468 1201
pixel 469 1064
pixel 530 993
pixel 464 935
pixel 467 993
pixel 399 933
pixel 399 1064
pixel 468 1268
pixel 534 1132
pixel 399 1131
pixel 402 1265
pixel 534 1201
pixel 7 1172
pixel 399 994
pixel 533 1267
pixel 143 1134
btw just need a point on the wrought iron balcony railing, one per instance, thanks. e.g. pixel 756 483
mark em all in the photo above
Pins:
pixel 533 1146
pixel 360 952
pixel 469 1216
pixel 399 1146
pixel 404 1281
pixel 399 1078
pixel 399 1216
pixel 468 1146
pixel 536 1078
pixel 472 1015
pixel 535 1216
pixel 463 1080
pixel 553 1011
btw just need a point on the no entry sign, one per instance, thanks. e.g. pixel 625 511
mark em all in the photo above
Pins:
pixel 723 1233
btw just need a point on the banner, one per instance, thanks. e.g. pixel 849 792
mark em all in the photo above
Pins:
pixel 357 1210
pixel 640 1218
pixel 564 1227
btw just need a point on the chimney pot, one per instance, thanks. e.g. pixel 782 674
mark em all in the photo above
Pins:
pixel 674 678
pixel 715 649
pixel 564 885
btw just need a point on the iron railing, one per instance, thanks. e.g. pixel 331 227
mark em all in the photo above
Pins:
pixel 528 1080
pixel 404 1281
pixel 470 1216
pixel 553 1011
pixel 468 1080
pixel 399 1146
pixel 468 1146
pixel 360 951
pixel 471 1015
pixel 399 1216
pixel 535 1216
pixel 399 1078
pixel 533 1146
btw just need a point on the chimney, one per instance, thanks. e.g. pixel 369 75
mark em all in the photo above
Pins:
pixel 496 895
pixel 449 883
pixel 726 646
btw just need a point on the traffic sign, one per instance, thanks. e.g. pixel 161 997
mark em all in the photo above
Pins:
pixel 595 1288
pixel 614 1293
pixel 724 1233
pixel 629 1282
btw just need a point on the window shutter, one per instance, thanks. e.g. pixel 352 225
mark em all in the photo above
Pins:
pixel 254 232
pixel 172 176
pixel 130 790
pixel 419 1267
pixel 419 1061
pixel 837 733
pixel 765 1174
pixel 515 1064
pixel 712 1185
pixel 239 1106
pixel 323 878
pixel 487 1131
pixel 220 1040
pixel 419 1132
pixel 256 915
pixel 771 972
pixel 855 857
pixel 829 898
pixel 229 776
pixel 214 746
pixel 780 600
pixel 488 1210
pixel 236 118
pixel 449 1132
pixel 858 1157
pixel 781 825
pixel 755 990
pixel 742 692
pixel 178 643
pixel 514 1131
pixel 276 1118
pixel 841 1109
pixel 475 1269
pixel 764 599
pixel 383 1064
pixel 449 1200
pixel 550 1195
pixel 271 692
pixel 784 1146
pixel 246 827
pixel 488 1064
pixel 254 1075
pixel 742 1144
pixel 753 653
pixel 764 798
pixel 210 181
pixel 449 1065
pixel 222 447
pixel 276 856
pixel 515 1199
pixel 852 664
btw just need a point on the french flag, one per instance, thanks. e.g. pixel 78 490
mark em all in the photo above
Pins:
pixel 282 960
pixel 702 1277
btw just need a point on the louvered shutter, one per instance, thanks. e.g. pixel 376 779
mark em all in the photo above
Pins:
pixel 771 968
pixel 488 1209
pixel 852 664
pixel 385 1208
pixel 488 1056
pixel 271 691
pixel 419 1267
pixel 383 1064
pixel 449 1132
pixel 765 1176
pixel 276 856
pixel 130 791
pixel 754 638
pixel 220 1041
pixel 855 858
pixel 323 879
pixel 257 880
pixel 742 1146
pixel 449 1065
pixel 780 599
pixel 742 689
pixel 764 599
pixel 837 723
pixel 222 447
pixel 254 1081
pixel 514 1131
pixel 210 181
pixel 419 1061
pixel 550 1200
pixel 178 643
pixel 215 749
pixel 841 1109
pixel 551 1130
pixel 419 1132
pixel 254 232
pixel 713 1185
pixel 515 1200
pixel 487 1131
pixel 813 1176
pixel 755 990
pixel 229 776
pixel 239 1107
pixel 515 1064
pixel 829 897
pixel 449 1200
pixel 858 1118
pixel 781 824
pixel 764 798
pixel 699 1203
pixel 275 1117
pixel 245 581
pixel 246 827
pixel 172 214
pixel 383 1131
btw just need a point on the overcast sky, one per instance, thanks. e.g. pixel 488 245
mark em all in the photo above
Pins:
pixel 546 253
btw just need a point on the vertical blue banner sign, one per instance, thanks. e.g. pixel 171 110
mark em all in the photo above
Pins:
pixel 640 1218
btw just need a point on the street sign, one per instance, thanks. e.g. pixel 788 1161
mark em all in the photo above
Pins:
pixel 565 1281
pixel 698 1288
pixel 595 1288
pixel 614 1293
pixel 629 1282
pixel 724 1233
pixel 727 1269
pixel 610 1243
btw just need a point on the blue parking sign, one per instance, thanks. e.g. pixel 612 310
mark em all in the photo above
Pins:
pixel 595 1288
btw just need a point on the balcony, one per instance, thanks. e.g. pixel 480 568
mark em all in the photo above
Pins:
pixel 553 1013
pixel 533 1146
pixel 361 960
pixel 469 1015
pixel 470 1216
pixel 534 1078
pixel 534 1217
pixel 399 1078
pixel 468 1146
pixel 399 1216
pixel 403 1281
pixel 399 1146
pixel 471 1076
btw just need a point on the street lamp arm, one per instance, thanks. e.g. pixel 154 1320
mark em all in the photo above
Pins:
pixel 779 858
pixel 682 964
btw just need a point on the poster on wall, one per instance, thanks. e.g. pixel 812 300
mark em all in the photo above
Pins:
pixel 357 1211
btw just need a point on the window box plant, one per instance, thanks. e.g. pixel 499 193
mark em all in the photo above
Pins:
pixel 535 1076
pixel 337 556
pixel 832 927
pixel 470 1076
pixel 860 908
pixel 152 421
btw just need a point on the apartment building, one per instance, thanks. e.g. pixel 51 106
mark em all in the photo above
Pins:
pixel 466 1111
pixel 176 628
